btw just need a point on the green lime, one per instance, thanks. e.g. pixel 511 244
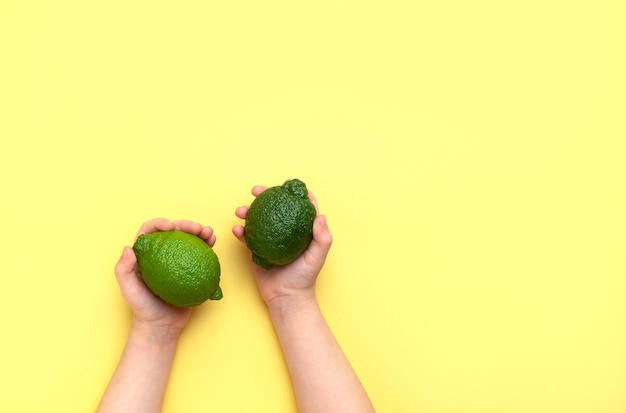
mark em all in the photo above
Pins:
pixel 178 267
pixel 279 224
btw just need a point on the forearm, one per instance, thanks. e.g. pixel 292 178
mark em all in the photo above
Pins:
pixel 139 381
pixel 322 376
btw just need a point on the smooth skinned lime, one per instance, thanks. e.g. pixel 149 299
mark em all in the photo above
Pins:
pixel 180 268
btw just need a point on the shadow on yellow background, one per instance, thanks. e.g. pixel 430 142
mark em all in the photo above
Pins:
pixel 470 157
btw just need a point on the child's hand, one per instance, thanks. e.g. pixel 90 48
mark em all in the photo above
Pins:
pixel 151 314
pixel 296 280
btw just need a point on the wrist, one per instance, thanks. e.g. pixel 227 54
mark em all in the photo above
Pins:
pixel 291 302
pixel 147 333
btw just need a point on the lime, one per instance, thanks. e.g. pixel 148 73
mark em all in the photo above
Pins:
pixel 180 268
pixel 279 224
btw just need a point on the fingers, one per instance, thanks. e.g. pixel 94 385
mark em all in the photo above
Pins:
pixel 188 226
pixel 194 228
pixel 257 189
pixel 238 232
pixel 242 211
pixel 154 225
pixel 206 233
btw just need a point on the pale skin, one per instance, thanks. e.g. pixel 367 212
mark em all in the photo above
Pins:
pixel 322 377
pixel 139 381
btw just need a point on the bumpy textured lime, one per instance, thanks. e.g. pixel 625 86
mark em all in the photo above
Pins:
pixel 279 224
pixel 178 267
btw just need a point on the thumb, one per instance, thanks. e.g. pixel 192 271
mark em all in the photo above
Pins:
pixel 127 277
pixel 126 264
pixel 322 239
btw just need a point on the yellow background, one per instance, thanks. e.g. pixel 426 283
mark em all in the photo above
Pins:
pixel 470 157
